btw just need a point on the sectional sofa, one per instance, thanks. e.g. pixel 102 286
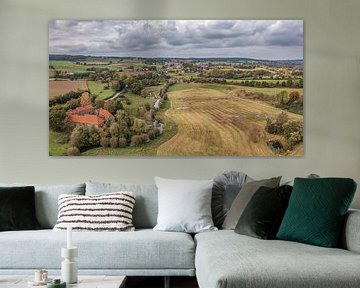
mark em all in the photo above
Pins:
pixel 219 259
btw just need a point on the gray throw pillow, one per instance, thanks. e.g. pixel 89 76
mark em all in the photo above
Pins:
pixel 242 199
pixel 226 187
pixel 46 200
pixel 184 205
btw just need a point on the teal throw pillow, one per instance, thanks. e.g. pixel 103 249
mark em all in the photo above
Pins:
pixel 316 211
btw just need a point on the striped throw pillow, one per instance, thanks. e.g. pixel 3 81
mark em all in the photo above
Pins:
pixel 105 212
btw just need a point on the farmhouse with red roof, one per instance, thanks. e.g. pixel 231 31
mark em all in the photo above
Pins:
pixel 88 115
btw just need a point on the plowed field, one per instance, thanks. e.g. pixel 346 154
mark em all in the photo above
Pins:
pixel 58 88
pixel 214 123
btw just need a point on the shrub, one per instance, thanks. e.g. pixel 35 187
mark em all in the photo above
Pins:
pixel 73 103
pixel 114 142
pixel 139 126
pixel 294 96
pixel 122 142
pixel 136 140
pixel 141 111
pixel 73 151
pixel 281 118
pixel 151 135
pixel 100 104
pixel 144 138
pixel 255 134
pixel 105 142
pixel 292 126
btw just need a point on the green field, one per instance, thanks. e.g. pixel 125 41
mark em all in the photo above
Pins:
pixel 153 89
pixel 227 88
pixel 218 87
pixel 98 88
pixel 68 66
pixel 136 102
pixel 55 148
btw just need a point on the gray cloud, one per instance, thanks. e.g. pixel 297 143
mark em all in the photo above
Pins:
pixel 262 39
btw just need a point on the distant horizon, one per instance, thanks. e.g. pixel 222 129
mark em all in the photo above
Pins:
pixel 254 39
pixel 165 57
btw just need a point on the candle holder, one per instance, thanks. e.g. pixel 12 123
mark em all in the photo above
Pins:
pixel 68 265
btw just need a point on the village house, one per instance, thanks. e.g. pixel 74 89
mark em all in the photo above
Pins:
pixel 88 115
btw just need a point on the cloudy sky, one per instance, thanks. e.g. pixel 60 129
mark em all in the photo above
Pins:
pixel 259 39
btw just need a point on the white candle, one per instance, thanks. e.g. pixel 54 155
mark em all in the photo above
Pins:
pixel 69 237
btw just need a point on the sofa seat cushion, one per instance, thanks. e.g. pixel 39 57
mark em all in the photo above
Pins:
pixel 225 259
pixel 142 249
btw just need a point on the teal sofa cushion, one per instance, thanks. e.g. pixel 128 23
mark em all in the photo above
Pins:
pixel 316 211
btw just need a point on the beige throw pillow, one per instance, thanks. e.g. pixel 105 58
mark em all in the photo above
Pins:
pixel 243 198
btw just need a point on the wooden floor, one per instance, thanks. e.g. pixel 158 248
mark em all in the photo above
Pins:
pixel 158 282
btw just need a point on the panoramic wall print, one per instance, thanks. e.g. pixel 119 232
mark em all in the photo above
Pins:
pixel 176 88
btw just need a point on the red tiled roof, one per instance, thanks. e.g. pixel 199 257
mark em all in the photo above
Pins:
pixel 81 109
pixel 105 114
pixel 87 119
pixel 81 115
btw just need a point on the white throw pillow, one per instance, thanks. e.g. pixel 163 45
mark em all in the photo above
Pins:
pixel 184 205
pixel 105 212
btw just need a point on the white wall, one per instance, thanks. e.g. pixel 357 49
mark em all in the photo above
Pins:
pixel 332 90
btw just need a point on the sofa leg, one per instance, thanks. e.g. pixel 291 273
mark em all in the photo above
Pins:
pixel 167 282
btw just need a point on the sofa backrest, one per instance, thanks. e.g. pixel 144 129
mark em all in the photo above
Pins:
pixel 146 203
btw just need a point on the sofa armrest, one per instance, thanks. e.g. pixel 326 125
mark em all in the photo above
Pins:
pixel 351 234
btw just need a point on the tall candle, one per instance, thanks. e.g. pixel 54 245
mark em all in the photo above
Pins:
pixel 69 237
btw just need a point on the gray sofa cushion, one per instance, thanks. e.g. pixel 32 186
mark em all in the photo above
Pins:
pixel 226 259
pixel 351 236
pixel 46 200
pixel 143 249
pixel 146 204
pixel 225 189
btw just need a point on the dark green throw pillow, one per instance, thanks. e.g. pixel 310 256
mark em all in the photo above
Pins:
pixel 316 211
pixel 17 208
pixel 263 214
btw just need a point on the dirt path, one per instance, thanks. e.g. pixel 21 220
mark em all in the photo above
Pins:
pixel 213 123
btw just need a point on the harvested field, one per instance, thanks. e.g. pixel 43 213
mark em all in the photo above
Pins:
pixel 58 88
pixel 211 122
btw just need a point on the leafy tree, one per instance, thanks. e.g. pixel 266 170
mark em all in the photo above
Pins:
pixel 122 142
pixel 85 99
pixel 100 104
pixel 114 142
pixel 114 129
pixel 85 136
pixel 294 96
pixel 57 118
pixel 282 97
pixel 113 105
